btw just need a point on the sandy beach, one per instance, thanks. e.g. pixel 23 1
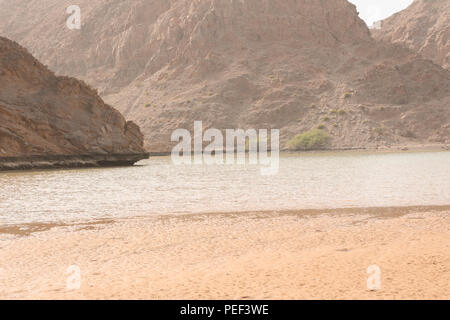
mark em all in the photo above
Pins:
pixel 261 255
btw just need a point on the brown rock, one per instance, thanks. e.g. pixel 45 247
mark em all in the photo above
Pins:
pixel 424 27
pixel 241 64
pixel 57 121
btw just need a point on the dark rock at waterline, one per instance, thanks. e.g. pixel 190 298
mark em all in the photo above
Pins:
pixel 76 161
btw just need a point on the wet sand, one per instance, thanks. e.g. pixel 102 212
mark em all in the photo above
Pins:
pixel 310 254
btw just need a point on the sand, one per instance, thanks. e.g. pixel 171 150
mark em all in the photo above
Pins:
pixel 260 255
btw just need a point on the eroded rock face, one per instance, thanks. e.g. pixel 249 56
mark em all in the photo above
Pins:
pixel 424 27
pixel 124 40
pixel 44 115
pixel 292 65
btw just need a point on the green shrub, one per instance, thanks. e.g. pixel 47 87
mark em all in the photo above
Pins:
pixel 326 118
pixel 348 95
pixel 321 127
pixel 315 139
pixel 341 112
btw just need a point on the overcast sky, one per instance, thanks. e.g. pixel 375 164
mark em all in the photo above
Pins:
pixel 374 10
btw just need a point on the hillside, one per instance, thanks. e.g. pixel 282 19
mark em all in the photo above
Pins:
pixel 424 27
pixel 290 65
pixel 48 121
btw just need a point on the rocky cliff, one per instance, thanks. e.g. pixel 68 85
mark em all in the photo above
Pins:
pixel 424 27
pixel 48 121
pixel 293 65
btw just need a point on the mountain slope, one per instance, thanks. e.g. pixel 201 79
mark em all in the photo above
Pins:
pixel 424 27
pixel 43 116
pixel 290 65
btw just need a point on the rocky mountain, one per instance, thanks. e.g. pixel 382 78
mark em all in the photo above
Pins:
pixel 293 65
pixel 424 27
pixel 48 121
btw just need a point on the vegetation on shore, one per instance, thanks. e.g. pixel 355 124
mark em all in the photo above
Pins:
pixel 314 139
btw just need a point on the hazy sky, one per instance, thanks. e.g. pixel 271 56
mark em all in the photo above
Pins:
pixel 374 10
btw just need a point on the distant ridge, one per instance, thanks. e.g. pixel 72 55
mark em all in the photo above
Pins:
pixel 424 27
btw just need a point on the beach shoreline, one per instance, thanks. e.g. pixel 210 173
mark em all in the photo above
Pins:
pixel 322 254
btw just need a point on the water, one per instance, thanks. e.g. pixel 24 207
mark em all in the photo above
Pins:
pixel 156 186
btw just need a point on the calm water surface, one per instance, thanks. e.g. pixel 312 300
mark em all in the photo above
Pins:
pixel 156 186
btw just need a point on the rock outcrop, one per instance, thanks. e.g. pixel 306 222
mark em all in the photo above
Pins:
pixel 49 121
pixel 292 65
pixel 424 27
